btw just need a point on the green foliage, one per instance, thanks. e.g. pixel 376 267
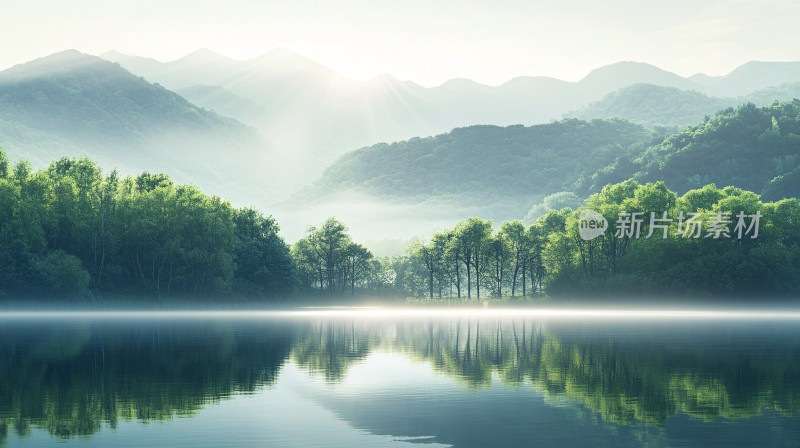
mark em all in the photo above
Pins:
pixel 556 201
pixel 64 274
pixel 750 147
pixel 458 262
pixel 550 254
pixel 263 261
pixel 71 382
pixel 69 229
pixel 329 261
pixel 4 165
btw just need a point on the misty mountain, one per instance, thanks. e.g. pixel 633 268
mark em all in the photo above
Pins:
pixel 653 105
pixel 314 114
pixel 223 101
pixel 206 67
pixel 84 105
pixel 750 77
pixel 506 169
pixel 783 92
pixel 612 77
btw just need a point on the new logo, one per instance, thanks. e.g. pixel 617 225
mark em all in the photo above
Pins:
pixel 591 224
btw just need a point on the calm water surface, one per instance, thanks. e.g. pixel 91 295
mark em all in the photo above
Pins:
pixel 398 382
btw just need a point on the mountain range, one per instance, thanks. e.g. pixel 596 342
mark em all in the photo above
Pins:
pixel 314 114
pixel 256 130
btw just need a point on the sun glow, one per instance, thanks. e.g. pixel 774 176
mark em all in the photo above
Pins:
pixel 393 313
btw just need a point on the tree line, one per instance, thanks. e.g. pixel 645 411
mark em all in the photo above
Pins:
pixel 328 261
pixel 475 260
pixel 70 230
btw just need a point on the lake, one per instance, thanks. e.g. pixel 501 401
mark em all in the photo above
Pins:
pixel 364 379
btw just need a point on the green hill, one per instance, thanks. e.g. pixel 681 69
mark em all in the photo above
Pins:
pixel 486 164
pixel 501 172
pixel 755 148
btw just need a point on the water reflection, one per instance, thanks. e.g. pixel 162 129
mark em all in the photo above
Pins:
pixel 70 379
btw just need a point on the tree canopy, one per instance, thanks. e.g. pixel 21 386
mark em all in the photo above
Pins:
pixel 71 230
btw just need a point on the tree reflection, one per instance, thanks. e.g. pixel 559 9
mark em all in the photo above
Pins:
pixel 330 347
pixel 641 377
pixel 70 380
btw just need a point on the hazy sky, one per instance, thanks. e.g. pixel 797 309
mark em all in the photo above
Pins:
pixel 427 41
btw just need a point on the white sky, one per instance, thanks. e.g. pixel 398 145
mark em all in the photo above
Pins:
pixel 427 41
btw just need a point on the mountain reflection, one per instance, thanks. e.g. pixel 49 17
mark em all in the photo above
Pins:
pixel 71 379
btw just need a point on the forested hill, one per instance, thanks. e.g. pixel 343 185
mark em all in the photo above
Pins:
pixel 755 148
pixel 71 103
pixel 479 163
pixel 750 147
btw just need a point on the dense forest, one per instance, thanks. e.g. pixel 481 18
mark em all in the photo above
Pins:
pixel 755 148
pixel 476 260
pixel 69 230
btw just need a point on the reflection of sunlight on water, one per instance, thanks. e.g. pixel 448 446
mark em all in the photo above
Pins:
pixel 378 312
pixel 383 373
pixel 379 376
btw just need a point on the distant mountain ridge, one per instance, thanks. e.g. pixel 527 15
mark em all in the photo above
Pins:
pixel 315 114
pixel 750 77
pixel 653 105
pixel 55 94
